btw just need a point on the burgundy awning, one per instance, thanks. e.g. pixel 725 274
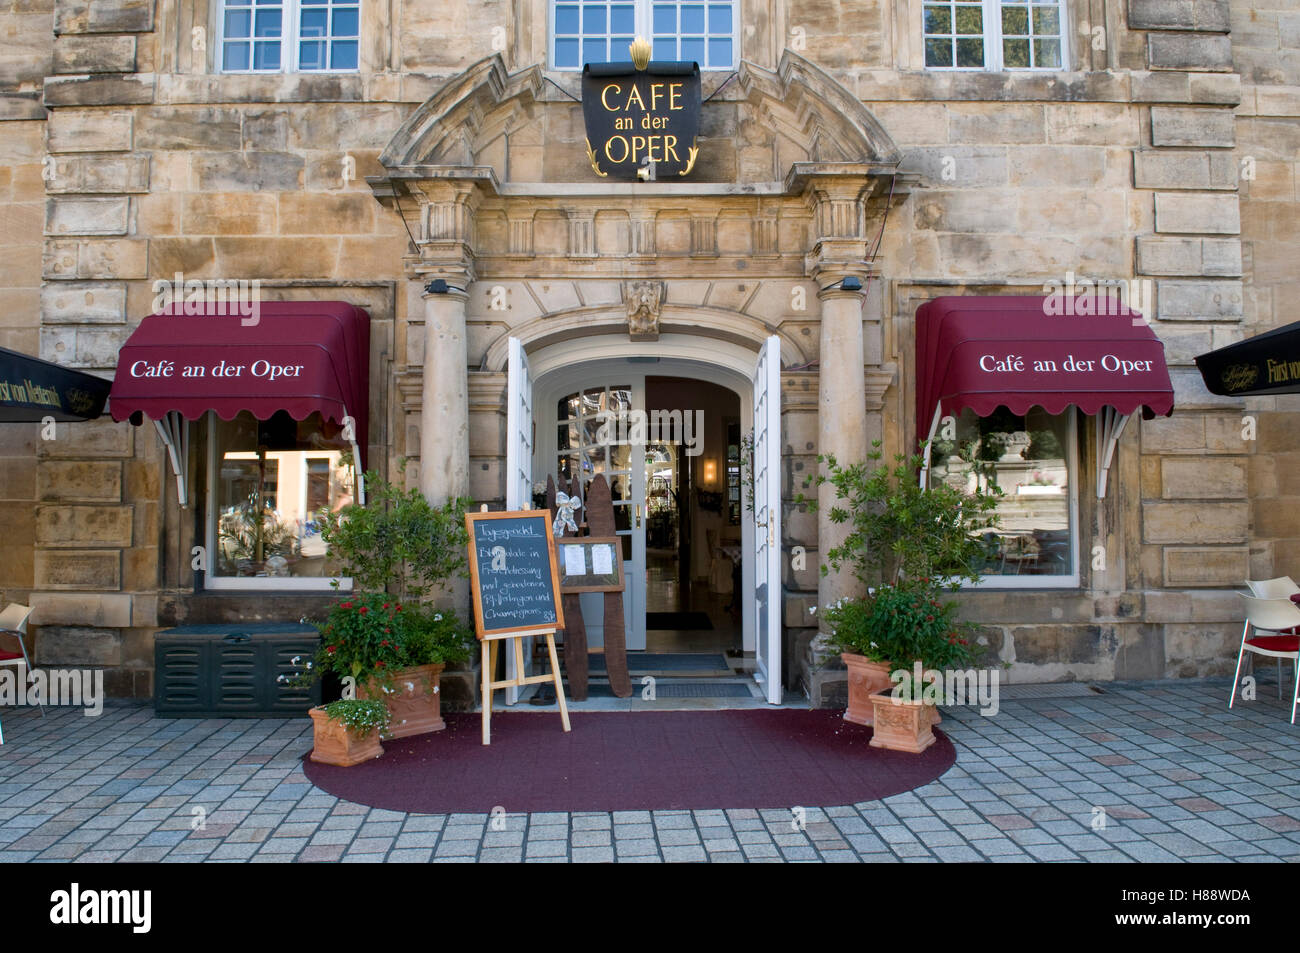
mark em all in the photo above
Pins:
pixel 1014 352
pixel 302 357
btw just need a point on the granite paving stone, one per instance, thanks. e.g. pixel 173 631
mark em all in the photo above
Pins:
pixel 1178 779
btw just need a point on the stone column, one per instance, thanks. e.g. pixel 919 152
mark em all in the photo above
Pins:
pixel 842 417
pixel 444 408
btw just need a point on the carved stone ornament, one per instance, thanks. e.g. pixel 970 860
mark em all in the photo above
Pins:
pixel 644 300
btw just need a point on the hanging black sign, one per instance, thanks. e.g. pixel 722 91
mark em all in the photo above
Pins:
pixel 1268 363
pixel 32 389
pixel 642 123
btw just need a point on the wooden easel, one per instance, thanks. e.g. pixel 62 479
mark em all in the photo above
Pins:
pixel 490 666
pixel 543 617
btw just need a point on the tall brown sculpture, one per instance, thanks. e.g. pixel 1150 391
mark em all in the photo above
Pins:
pixel 600 522
pixel 599 512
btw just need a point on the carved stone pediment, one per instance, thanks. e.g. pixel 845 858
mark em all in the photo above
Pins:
pixel 644 300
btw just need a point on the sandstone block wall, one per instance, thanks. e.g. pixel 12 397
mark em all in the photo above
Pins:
pixel 1167 155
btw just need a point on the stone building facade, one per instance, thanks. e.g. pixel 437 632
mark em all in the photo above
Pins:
pixel 1164 151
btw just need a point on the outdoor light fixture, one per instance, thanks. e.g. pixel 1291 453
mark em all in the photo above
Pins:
pixel 850 283
pixel 439 286
pixel 710 472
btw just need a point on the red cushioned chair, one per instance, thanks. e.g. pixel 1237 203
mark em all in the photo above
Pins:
pixel 1279 617
pixel 13 629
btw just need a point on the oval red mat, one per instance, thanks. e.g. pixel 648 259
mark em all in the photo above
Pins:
pixel 623 761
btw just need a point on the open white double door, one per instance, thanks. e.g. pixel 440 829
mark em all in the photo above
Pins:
pixel 628 392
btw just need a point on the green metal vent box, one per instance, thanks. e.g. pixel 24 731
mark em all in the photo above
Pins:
pixel 233 671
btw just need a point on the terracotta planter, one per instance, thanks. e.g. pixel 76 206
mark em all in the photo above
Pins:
pixel 336 745
pixel 414 704
pixel 902 725
pixel 865 679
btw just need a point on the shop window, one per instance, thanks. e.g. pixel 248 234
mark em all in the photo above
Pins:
pixel 275 36
pixel 269 484
pixel 994 34
pixel 599 31
pixel 1034 461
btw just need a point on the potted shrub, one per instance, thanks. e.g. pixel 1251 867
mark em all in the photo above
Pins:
pixel 408 682
pixel 912 626
pixel 868 666
pixel 347 732
pixel 399 550
pixel 905 544
pixel 382 651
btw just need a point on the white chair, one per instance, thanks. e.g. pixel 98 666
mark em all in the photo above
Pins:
pixel 1283 587
pixel 13 627
pixel 1279 617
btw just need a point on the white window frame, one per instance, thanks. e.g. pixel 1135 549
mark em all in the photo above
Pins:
pixel 292 18
pixel 643 26
pixel 211 581
pixel 1071 580
pixel 993 43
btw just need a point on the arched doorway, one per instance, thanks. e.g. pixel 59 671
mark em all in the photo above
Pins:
pixel 585 396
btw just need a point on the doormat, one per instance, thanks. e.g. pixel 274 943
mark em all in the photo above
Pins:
pixel 635 761
pixel 677 621
pixel 676 662
pixel 695 689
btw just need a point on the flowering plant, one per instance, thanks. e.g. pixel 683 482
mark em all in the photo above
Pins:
pixel 435 636
pixel 902 624
pixel 357 716
pixel 362 637
pixel 372 635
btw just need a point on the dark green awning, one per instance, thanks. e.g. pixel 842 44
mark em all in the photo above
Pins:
pixel 32 389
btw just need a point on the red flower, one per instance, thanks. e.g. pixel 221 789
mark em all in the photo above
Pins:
pixel 331 649
pixel 963 642
pixel 345 605
pixel 929 618
pixel 385 642
pixel 379 665
pixel 363 610
pixel 387 629
pixel 386 605
pixel 399 607
pixel 952 640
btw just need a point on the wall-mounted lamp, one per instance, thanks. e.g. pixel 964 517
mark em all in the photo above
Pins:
pixel 849 283
pixel 710 472
pixel 439 286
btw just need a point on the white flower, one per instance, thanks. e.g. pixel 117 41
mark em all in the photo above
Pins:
pixel 812 611
pixel 437 617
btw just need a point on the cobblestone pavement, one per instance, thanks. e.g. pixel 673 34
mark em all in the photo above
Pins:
pixel 1177 775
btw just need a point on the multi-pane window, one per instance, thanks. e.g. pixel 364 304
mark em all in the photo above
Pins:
pixel 589 444
pixel 271 484
pixel 1031 458
pixel 600 31
pixel 994 34
pixel 300 35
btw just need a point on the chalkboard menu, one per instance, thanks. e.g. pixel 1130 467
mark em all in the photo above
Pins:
pixel 512 572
